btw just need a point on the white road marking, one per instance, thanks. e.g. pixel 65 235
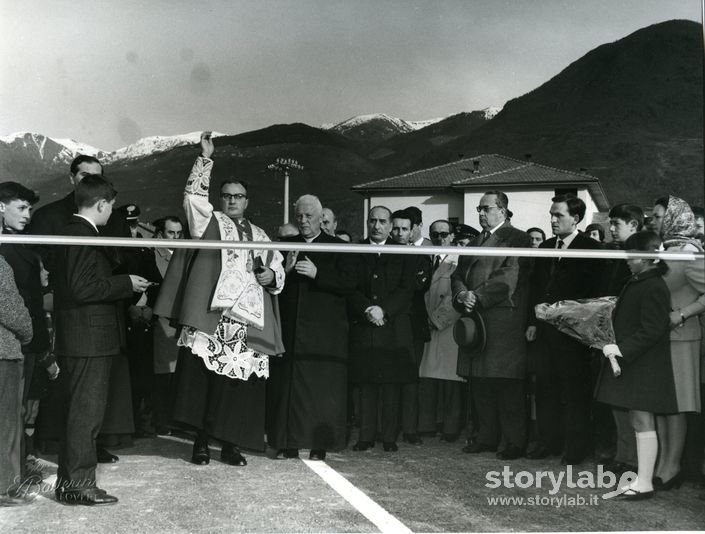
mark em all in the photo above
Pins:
pixel 382 519
pixel 377 515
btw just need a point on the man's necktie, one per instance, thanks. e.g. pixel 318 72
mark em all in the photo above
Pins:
pixel 484 236
pixel 436 263
pixel 560 244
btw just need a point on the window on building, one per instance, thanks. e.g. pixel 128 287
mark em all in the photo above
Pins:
pixel 566 191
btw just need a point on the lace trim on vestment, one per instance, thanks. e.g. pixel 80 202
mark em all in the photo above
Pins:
pixel 226 353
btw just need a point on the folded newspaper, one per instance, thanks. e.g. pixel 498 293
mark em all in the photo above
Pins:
pixel 587 320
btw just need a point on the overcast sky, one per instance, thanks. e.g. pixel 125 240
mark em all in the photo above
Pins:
pixel 109 72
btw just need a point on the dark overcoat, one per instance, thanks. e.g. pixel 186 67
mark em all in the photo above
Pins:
pixel 642 329
pixel 500 284
pixel 382 354
pixel 307 386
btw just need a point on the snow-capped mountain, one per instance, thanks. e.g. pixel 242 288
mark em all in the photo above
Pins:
pixel 55 152
pixel 35 158
pixel 491 111
pixel 376 127
pixel 154 145
pixel 47 149
pixel 401 125
pixel 417 125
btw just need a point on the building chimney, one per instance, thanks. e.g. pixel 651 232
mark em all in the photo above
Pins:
pixel 475 166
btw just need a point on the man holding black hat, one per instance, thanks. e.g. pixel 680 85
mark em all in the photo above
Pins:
pixel 495 287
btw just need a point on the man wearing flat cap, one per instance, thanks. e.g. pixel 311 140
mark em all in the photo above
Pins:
pixel 496 288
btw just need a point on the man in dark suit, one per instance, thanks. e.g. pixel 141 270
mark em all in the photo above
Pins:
pixel 307 386
pixel 89 334
pixel 51 219
pixel 496 287
pixel 563 385
pixel 406 230
pixel 381 352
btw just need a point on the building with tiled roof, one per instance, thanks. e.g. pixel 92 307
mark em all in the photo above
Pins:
pixel 453 190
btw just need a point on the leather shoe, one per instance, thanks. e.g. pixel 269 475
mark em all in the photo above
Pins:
pixel 104 456
pixel 674 482
pixel 287 453
pixel 413 439
pixel 510 453
pixel 390 446
pixel 633 495
pixel 230 455
pixel 363 445
pixel 474 448
pixel 317 454
pixel 87 497
pixel 200 455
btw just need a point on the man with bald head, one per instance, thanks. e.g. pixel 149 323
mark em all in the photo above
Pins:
pixel 307 389
pixel 381 352
pixel 287 230
pixel 328 221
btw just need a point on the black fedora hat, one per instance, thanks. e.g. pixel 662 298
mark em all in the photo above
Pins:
pixel 469 331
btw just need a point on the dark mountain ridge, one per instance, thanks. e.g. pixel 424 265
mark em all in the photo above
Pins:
pixel 629 112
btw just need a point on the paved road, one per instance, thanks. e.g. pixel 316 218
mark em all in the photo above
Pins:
pixel 426 488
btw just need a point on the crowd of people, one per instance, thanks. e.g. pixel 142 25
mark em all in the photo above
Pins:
pixel 298 349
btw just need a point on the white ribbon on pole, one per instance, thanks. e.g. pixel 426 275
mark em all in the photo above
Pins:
pixel 346 248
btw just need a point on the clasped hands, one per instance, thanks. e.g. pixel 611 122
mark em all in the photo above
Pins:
pixel 303 267
pixel 468 299
pixel 375 315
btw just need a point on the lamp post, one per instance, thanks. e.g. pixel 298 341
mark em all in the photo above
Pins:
pixel 285 165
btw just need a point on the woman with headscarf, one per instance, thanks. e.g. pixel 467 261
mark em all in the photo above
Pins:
pixel 674 221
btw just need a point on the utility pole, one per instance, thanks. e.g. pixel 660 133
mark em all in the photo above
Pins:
pixel 285 165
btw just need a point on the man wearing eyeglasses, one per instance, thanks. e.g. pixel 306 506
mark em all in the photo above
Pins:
pixel 496 288
pixel 223 300
pixel 440 387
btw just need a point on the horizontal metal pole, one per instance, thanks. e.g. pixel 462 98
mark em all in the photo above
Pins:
pixel 354 248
